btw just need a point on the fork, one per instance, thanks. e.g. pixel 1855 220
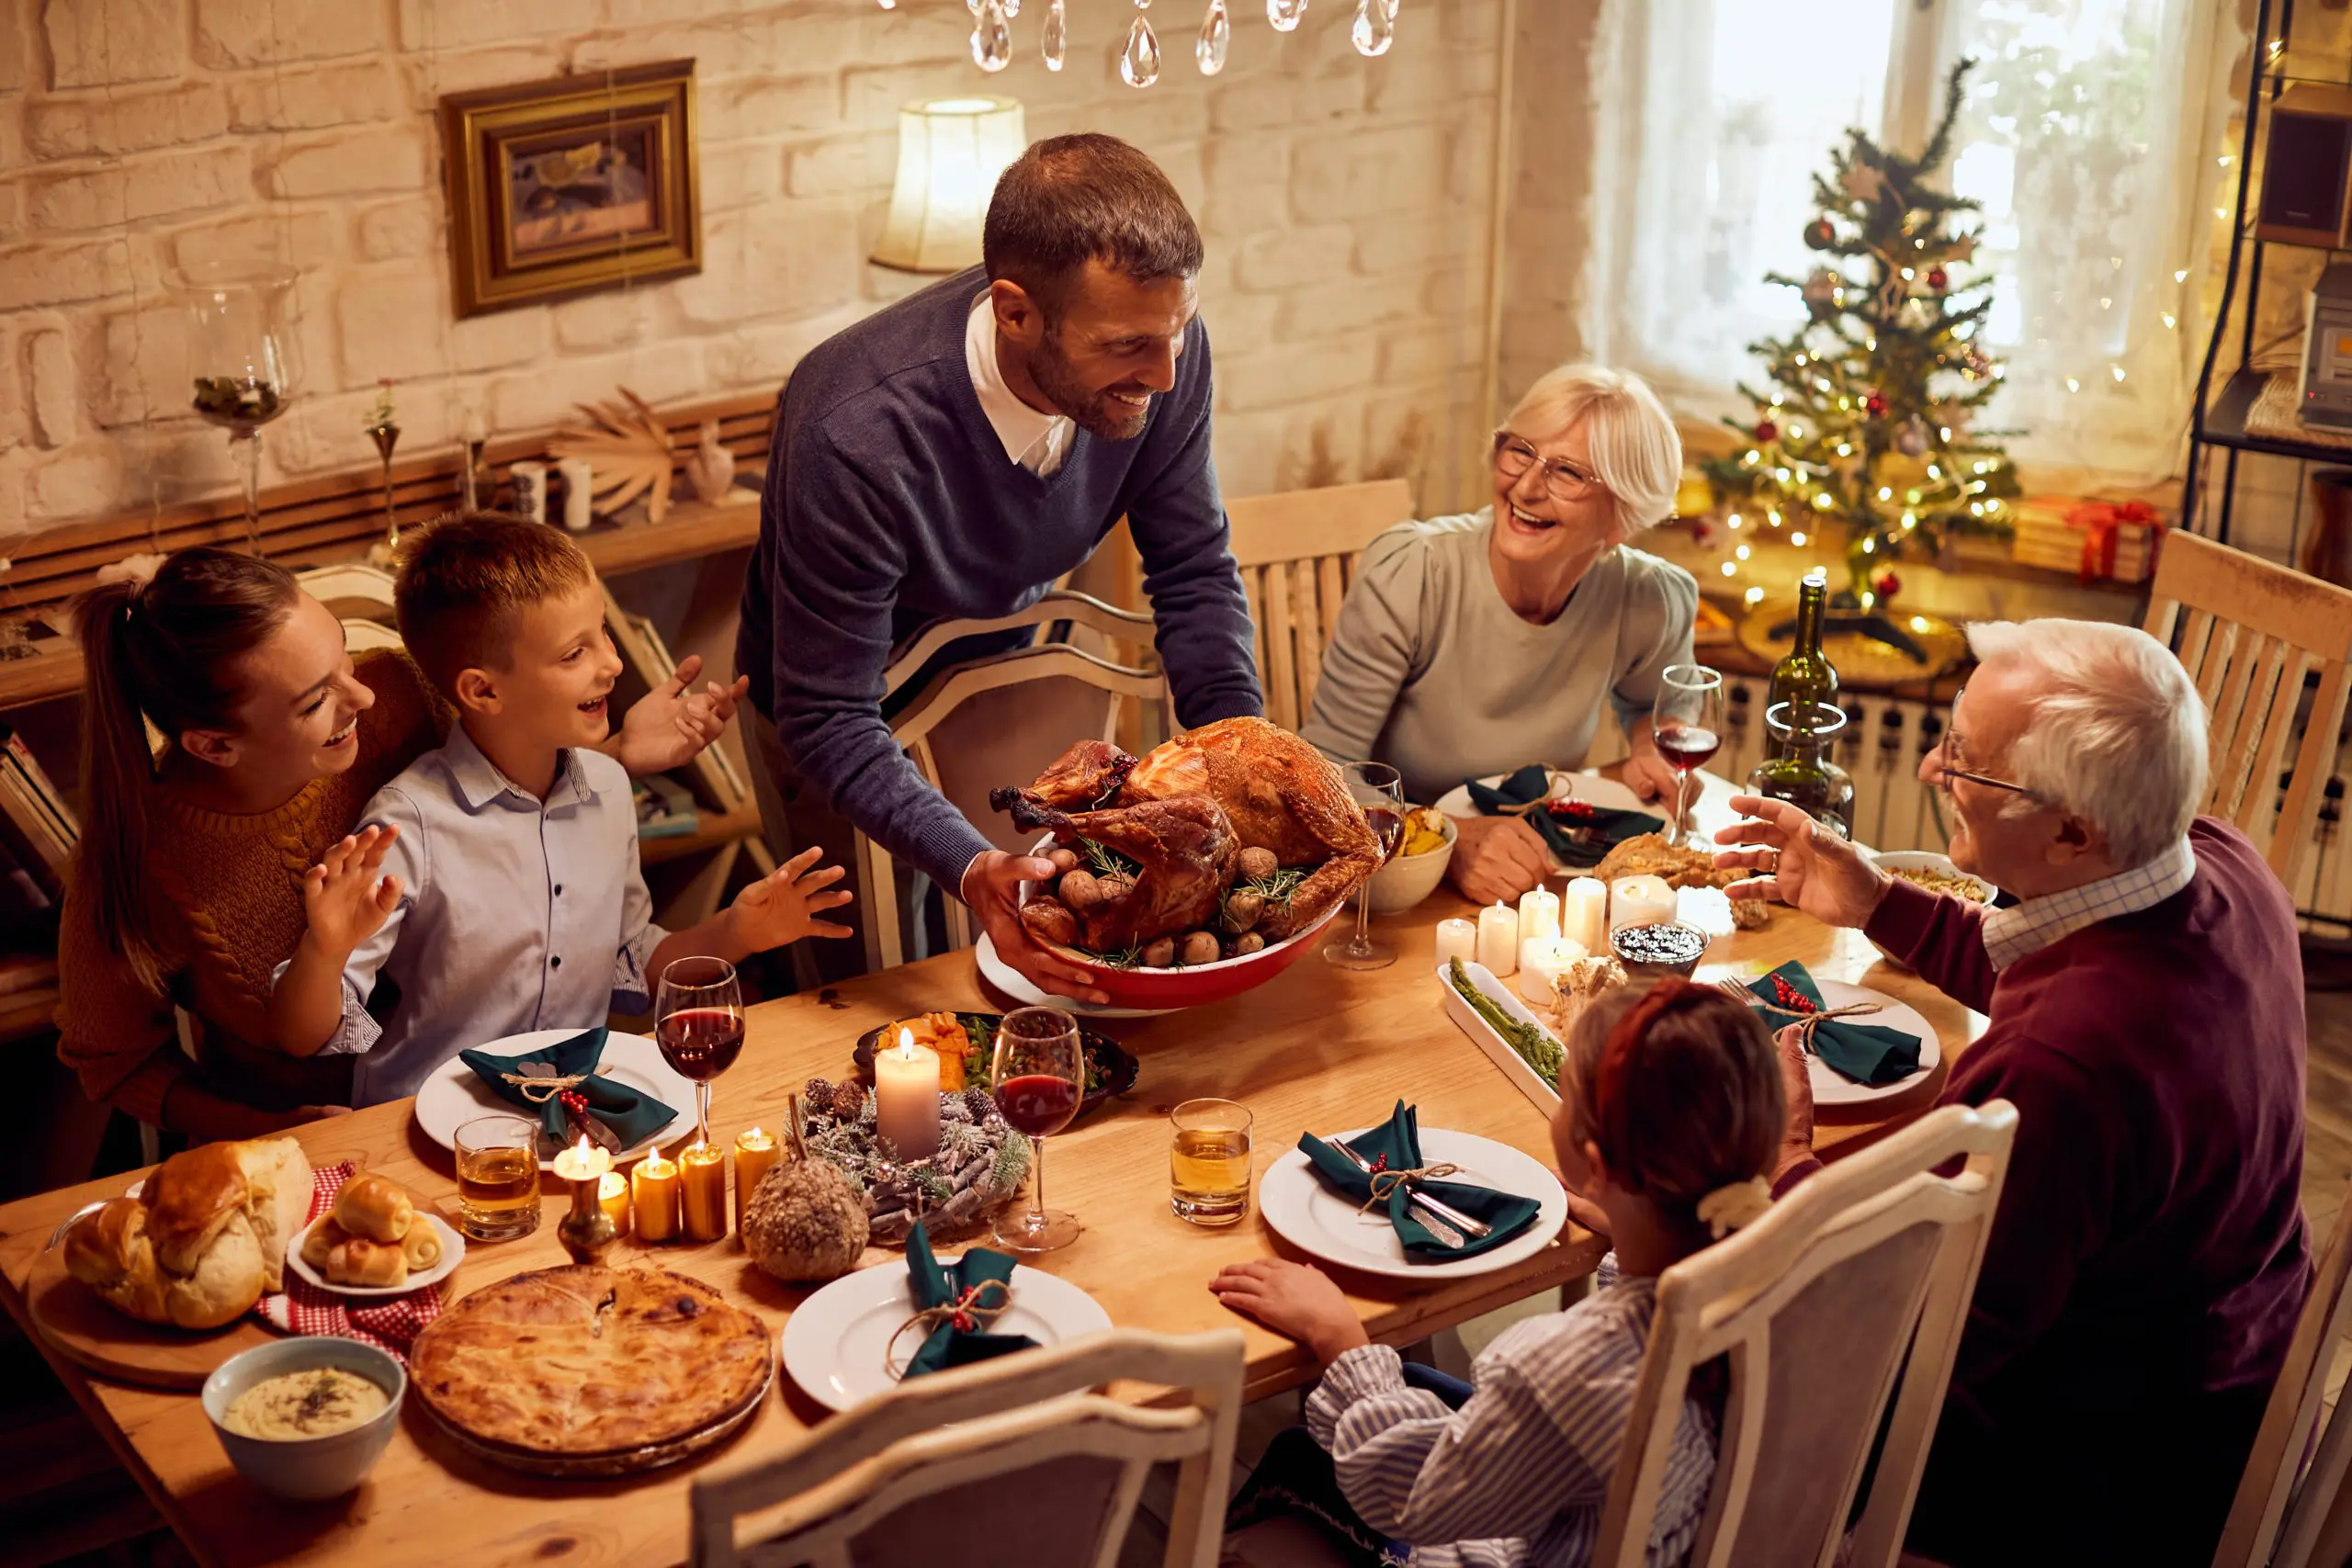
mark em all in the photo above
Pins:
pixel 70 1220
pixel 1446 1223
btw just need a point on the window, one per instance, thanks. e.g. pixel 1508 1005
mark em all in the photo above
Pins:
pixel 2091 132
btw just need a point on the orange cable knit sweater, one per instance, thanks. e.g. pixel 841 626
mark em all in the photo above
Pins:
pixel 228 893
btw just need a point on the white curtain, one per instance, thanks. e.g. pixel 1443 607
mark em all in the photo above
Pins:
pixel 2092 133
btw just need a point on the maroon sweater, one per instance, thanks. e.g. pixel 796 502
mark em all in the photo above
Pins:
pixel 2150 1245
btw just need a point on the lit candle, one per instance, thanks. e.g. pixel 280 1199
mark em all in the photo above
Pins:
pixel 656 1185
pixel 1499 939
pixel 1457 938
pixel 1584 918
pixel 702 1192
pixel 1539 914
pixel 1639 901
pixel 613 1197
pixel 755 1155
pixel 584 1161
pixel 1542 960
pixel 906 1099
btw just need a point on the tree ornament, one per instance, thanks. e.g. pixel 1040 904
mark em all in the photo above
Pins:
pixel 1767 430
pixel 1963 247
pixel 1874 404
pixel 1820 235
pixel 1863 182
pixel 1939 279
pixel 1887 586
pixel 1911 439
pixel 1821 289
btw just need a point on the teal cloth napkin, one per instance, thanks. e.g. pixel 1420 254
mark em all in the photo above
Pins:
pixel 631 1116
pixel 938 1284
pixel 1398 1141
pixel 1610 825
pixel 1866 1053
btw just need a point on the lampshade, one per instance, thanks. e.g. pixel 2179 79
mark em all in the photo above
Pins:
pixel 950 152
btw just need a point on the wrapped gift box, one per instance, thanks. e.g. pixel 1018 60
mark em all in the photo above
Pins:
pixel 2091 538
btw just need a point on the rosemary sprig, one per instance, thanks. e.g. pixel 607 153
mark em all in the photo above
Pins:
pixel 1104 860
pixel 1277 886
pixel 1125 958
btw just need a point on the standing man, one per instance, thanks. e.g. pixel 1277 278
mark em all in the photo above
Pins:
pixel 955 454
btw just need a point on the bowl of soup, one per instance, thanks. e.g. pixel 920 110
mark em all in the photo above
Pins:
pixel 306 1419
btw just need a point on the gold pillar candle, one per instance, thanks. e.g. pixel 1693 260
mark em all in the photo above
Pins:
pixel 702 1192
pixel 613 1196
pixel 756 1153
pixel 655 1183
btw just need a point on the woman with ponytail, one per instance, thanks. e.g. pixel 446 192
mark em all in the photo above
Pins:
pixel 187 890
pixel 1671 1119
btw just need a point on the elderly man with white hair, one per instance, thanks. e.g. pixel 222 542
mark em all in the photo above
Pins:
pixel 2146 999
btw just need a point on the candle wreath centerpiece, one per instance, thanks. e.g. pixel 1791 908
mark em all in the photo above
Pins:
pixel 978 1166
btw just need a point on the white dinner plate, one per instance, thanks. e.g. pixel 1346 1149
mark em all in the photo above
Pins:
pixel 1316 1218
pixel 453 1252
pixel 1589 788
pixel 1017 986
pixel 1833 1087
pixel 453 1096
pixel 834 1341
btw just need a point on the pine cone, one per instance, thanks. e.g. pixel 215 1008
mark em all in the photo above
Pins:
pixel 818 1093
pixel 979 1103
pixel 848 1099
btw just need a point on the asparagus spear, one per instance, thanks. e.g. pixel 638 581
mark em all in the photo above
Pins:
pixel 1534 1045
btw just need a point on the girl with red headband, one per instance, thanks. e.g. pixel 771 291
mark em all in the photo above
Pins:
pixel 1670 1120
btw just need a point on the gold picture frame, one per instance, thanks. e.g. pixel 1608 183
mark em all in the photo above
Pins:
pixel 569 185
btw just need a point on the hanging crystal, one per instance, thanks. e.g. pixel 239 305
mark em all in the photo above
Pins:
pixel 1285 13
pixel 1216 33
pixel 1375 27
pixel 1056 39
pixel 1012 8
pixel 991 39
pixel 1139 66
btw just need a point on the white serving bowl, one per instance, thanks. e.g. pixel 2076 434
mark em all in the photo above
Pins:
pixel 306 1468
pixel 1928 860
pixel 1406 880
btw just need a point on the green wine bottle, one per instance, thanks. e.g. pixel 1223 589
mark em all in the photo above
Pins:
pixel 1806 674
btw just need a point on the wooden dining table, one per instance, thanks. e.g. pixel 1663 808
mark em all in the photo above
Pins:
pixel 1318 1049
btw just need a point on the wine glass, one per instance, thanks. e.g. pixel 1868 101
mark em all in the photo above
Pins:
pixel 1686 727
pixel 1380 790
pixel 698 1024
pixel 237 360
pixel 1040 1075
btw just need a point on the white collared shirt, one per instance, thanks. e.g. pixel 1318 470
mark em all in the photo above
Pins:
pixel 1039 442
pixel 2036 924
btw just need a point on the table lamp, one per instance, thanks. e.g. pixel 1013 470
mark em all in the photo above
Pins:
pixel 950 152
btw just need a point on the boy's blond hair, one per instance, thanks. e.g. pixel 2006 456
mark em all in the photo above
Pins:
pixel 465 581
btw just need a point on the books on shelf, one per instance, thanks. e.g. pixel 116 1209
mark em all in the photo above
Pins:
pixel 665 808
pixel 38 830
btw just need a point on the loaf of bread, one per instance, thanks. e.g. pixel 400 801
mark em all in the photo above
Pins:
pixel 376 1207
pixel 205 1239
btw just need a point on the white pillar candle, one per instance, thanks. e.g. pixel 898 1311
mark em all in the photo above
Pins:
pixel 579 484
pixel 1457 938
pixel 1584 918
pixel 1639 901
pixel 906 1098
pixel 1542 960
pixel 1539 914
pixel 1499 939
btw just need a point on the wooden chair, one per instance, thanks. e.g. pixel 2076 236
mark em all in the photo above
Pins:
pixel 1297 552
pixel 2281 1506
pixel 1849 1295
pixel 960 1466
pixel 349 587
pixel 2251 633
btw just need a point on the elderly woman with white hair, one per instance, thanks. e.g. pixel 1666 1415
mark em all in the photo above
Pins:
pixel 2146 999
pixel 1472 645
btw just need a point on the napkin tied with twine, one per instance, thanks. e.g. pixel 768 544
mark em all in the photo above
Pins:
pixel 569 1066
pixel 1866 1053
pixel 1526 794
pixel 955 1302
pixel 1394 1149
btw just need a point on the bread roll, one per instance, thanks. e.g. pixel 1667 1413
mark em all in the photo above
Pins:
pixel 358 1261
pixel 320 1240
pixel 375 1207
pixel 422 1246
pixel 204 1238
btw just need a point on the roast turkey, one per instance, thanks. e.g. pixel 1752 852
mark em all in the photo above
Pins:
pixel 1182 850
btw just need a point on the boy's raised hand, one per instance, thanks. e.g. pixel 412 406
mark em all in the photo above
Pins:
pixel 346 899
pixel 668 727
pixel 784 907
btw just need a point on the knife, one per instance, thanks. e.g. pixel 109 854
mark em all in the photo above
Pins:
pixel 1446 1223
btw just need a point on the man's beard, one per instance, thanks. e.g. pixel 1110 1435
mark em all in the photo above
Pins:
pixel 1094 412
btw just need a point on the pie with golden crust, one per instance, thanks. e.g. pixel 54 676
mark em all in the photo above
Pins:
pixel 580 1361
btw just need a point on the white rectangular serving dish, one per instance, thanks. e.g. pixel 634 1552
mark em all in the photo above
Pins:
pixel 1523 1077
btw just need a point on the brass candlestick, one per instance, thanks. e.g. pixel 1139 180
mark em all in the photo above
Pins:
pixel 587 1232
pixel 386 434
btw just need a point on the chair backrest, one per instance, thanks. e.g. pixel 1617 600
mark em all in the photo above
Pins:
pixel 1061 605
pixel 359 636
pixel 954 1467
pixel 2251 633
pixel 347 586
pixel 1297 552
pixel 991 722
pixel 2277 1516
pixel 1852 1292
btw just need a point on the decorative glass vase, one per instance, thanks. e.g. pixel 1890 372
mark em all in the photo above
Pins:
pixel 237 364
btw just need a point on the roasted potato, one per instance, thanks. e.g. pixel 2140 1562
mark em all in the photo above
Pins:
pixel 1081 890
pixel 1242 909
pixel 1247 942
pixel 1064 858
pixel 1255 862
pixel 1201 947
pixel 1160 954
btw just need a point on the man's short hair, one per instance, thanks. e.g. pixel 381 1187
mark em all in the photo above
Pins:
pixel 464 583
pixel 1072 199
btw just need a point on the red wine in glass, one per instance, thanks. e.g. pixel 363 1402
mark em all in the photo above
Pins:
pixel 700 1042
pixel 1687 746
pixel 1037 1105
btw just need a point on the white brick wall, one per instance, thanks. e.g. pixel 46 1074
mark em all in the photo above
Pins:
pixel 1344 202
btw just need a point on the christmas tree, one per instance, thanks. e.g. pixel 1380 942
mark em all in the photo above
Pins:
pixel 1867 420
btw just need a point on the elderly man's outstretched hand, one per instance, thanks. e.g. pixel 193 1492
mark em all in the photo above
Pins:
pixel 1798 862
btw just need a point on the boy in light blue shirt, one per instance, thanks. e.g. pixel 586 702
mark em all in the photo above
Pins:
pixel 509 896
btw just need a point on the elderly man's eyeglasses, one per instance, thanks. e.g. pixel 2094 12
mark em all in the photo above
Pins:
pixel 1948 757
pixel 1563 480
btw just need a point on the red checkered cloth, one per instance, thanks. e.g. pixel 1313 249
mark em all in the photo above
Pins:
pixel 388 1323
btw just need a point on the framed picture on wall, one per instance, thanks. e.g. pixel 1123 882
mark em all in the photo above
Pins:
pixel 565 186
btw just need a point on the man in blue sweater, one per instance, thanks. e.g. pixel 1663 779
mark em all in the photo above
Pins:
pixel 952 457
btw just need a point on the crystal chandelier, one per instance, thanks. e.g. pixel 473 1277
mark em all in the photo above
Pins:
pixel 1374 30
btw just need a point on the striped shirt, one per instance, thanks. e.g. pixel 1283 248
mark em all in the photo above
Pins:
pixel 2037 923
pixel 1516 1478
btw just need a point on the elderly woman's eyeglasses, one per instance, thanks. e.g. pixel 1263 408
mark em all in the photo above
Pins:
pixel 1563 480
